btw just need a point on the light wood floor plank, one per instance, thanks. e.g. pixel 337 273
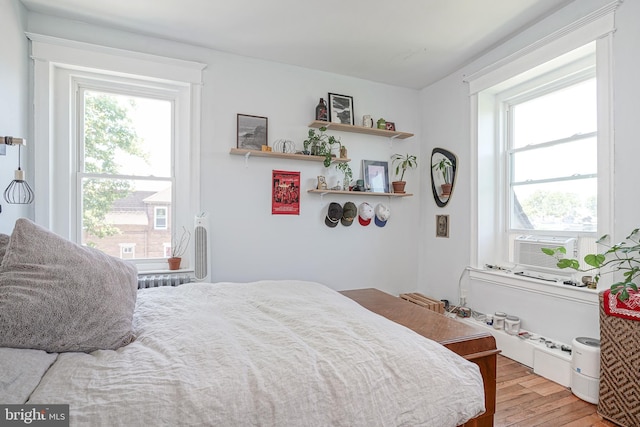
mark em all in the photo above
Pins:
pixel 525 399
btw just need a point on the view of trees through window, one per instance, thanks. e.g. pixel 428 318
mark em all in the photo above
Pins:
pixel 125 173
pixel 553 159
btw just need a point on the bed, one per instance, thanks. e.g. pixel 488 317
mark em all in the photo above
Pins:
pixel 268 353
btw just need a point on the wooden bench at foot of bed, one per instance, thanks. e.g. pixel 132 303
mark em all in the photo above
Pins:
pixel 473 344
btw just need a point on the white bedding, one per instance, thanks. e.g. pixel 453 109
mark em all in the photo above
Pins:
pixel 270 353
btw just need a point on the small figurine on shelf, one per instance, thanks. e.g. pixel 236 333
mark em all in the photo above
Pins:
pixel 321 110
pixel 382 123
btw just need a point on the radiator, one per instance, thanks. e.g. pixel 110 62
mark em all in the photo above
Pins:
pixel 156 280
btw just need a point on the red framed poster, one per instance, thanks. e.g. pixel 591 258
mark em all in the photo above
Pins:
pixel 285 193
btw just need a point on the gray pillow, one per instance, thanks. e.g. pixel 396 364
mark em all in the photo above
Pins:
pixel 58 296
pixel 4 242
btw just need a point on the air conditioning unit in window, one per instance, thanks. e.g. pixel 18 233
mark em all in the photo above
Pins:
pixel 528 250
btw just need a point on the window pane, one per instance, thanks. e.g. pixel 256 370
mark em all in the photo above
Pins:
pixel 557 115
pixel 562 205
pixel 119 214
pixel 127 135
pixel 568 159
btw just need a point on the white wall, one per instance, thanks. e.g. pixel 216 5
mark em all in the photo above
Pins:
pixel 248 243
pixel 445 117
pixel 14 94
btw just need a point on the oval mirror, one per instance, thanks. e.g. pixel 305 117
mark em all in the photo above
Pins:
pixel 443 175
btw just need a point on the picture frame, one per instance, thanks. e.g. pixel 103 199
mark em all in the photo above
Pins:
pixel 376 176
pixel 285 193
pixel 341 109
pixel 252 132
pixel 390 126
pixel 442 226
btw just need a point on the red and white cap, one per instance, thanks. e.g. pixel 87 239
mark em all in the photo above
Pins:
pixel 365 213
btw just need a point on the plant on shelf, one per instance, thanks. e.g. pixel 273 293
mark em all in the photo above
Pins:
pixel 445 168
pixel 178 248
pixel 402 162
pixel 623 257
pixel 348 174
pixel 320 144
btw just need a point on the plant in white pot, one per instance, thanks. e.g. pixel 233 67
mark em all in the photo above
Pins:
pixel 402 162
pixel 178 248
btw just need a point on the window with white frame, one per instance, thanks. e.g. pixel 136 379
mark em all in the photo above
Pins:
pixel 160 217
pixel 121 136
pixel 125 144
pixel 551 163
pixel 543 144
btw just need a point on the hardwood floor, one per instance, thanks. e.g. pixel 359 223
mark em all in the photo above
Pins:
pixel 526 399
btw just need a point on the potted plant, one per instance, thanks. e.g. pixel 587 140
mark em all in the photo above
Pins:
pixel 320 144
pixel 623 257
pixel 445 167
pixel 178 248
pixel 348 174
pixel 402 162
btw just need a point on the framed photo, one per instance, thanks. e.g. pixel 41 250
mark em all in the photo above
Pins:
pixel 252 132
pixel 341 109
pixel 390 126
pixel 442 225
pixel 285 193
pixel 376 176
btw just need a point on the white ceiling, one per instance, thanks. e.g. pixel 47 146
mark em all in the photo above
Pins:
pixel 407 43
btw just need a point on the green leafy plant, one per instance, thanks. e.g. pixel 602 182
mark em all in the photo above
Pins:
pixel 320 144
pixel 402 162
pixel 346 171
pixel 444 166
pixel 623 256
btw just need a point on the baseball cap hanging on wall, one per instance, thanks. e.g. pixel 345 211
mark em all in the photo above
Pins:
pixel 382 215
pixel 365 213
pixel 334 215
pixel 349 212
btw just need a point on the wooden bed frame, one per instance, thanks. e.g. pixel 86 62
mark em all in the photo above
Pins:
pixel 473 344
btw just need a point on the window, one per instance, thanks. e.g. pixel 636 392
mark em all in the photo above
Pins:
pixel 125 166
pixel 160 218
pixel 551 159
pixel 119 133
pixel 543 144
pixel 127 250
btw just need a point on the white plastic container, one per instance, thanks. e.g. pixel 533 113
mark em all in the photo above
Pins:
pixel 512 325
pixel 498 320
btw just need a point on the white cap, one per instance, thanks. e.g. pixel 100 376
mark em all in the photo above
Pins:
pixel 382 215
pixel 365 213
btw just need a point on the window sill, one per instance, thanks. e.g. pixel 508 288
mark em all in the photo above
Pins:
pixel 543 287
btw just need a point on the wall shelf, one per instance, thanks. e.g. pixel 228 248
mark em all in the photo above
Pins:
pixel 291 156
pixel 358 193
pixel 360 129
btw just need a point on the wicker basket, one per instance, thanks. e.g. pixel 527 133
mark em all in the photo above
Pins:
pixel 619 399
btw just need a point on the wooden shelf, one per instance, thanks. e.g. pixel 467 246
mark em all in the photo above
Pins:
pixel 360 129
pixel 359 193
pixel 291 156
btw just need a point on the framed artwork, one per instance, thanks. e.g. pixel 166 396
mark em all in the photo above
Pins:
pixel 252 132
pixel 285 193
pixel 341 109
pixel 442 225
pixel 376 176
pixel 390 126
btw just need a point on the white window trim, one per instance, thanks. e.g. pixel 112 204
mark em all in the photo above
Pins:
pixel 598 26
pixel 53 57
